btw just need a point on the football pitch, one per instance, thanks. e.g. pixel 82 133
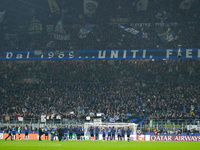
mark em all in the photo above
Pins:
pixel 97 145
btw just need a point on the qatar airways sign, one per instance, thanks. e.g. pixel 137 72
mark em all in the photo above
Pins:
pixel 174 138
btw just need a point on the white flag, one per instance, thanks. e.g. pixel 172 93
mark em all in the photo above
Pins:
pixel 43 118
pixel 142 5
pixel 20 118
pixel 90 6
pixel 2 16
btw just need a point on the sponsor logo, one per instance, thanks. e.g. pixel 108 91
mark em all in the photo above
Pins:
pixel 173 138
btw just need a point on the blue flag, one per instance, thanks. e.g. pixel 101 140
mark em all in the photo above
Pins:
pixel 130 30
pixel 85 31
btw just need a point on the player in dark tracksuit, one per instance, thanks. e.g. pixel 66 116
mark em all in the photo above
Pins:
pixel 92 133
pixel 113 133
pixel 9 133
pixel 60 133
pixel 26 132
pixel 128 133
pixel 104 133
pixel 96 133
pixel 70 132
pixel 123 134
pixel 65 132
pixel 78 133
pixel 40 133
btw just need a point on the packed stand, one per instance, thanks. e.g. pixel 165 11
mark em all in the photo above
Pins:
pixel 77 89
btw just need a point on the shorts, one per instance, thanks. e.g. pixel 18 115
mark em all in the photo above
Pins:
pixel 82 134
pixel 122 135
pixel 92 135
pixel 26 133
pixel 19 133
pixel 104 135
pixel 128 135
pixel 14 133
pixel 109 134
pixel 78 136
pixel 46 134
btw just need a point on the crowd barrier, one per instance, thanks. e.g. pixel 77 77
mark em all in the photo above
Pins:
pixel 132 137
pixel 30 136
pixel 34 136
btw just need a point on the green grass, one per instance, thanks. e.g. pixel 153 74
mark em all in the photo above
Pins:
pixel 94 145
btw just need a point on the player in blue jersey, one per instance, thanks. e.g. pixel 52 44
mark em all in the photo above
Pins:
pixel 14 132
pixel 109 133
pixel 82 133
pixel 46 133
pixel 104 133
pixel 9 133
pixel 53 131
pixel 26 132
pixel 119 134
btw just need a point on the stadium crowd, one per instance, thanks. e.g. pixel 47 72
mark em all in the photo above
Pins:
pixel 17 30
pixel 162 89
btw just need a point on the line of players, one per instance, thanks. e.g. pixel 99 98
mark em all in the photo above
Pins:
pixel 64 132
pixel 12 132
pixel 111 132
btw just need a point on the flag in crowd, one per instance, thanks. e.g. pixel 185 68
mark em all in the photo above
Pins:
pixel 142 5
pixel 130 30
pixel 186 4
pixel 2 16
pixel 53 6
pixel 60 33
pixel 162 15
pixel 83 32
pixel 59 27
pixel 90 6
pixel 168 36
pixel 35 27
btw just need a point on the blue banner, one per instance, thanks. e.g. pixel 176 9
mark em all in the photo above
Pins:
pixel 130 30
pixel 83 32
pixel 190 53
